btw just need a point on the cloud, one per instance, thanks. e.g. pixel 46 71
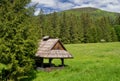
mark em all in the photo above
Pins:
pixel 64 6
pixel 46 3
pixel 108 5
pixel 59 5
pixel 112 8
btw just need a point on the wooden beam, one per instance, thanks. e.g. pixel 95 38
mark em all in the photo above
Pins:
pixel 50 61
pixel 62 61
pixel 41 62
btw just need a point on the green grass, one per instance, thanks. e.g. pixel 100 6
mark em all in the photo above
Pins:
pixel 92 62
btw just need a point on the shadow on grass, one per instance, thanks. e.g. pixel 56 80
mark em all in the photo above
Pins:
pixel 48 68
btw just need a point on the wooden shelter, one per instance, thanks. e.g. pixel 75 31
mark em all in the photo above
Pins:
pixel 51 49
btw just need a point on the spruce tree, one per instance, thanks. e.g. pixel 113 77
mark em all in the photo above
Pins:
pixel 73 29
pixel 18 39
pixel 86 24
pixel 107 31
pixel 117 26
pixel 41 22
pixel 54 24
pixel 64 29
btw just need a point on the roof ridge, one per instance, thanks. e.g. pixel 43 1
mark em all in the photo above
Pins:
pixel 56 40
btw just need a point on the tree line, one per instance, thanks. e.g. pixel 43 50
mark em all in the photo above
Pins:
pixel 84 28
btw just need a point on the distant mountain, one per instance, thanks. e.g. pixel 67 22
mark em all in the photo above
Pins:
pixel 95 12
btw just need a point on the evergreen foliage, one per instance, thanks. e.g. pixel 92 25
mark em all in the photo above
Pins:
pixel 18 39
pixel 117 26
pixel 85 28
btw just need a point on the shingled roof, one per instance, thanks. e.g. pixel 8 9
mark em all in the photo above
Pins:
pixel 46 49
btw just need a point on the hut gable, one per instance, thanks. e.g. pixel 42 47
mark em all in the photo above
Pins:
pixel 58 46
pixel 52 48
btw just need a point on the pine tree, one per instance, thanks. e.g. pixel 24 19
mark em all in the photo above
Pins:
pixel 86 24
pixel 107 31
pixel 93 34
pixel 117 26
pixel 117 29
pixel 41 22
pixel 64 29
pixel 18 39
pixel 54 24
pixel 73 29
pixel 117 20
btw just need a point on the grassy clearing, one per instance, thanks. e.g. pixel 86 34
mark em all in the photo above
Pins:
pixel 92 62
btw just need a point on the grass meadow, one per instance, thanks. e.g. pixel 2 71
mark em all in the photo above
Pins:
pixel 92 62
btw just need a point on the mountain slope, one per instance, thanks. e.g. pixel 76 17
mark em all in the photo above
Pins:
pixel 92 11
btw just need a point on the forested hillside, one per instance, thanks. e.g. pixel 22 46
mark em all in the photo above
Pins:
pixel 82 25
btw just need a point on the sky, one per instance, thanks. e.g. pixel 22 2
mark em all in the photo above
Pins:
pixel 49 6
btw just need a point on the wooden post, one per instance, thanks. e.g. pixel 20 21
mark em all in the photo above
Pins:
pixel 42 65
pixel 62 61
pixel 50 62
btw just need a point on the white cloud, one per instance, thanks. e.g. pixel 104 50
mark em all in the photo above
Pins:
pixel 76 1
pixel 37 12
pixel 46 3
pixel 64 6
pixel 112 8
pixel 109 5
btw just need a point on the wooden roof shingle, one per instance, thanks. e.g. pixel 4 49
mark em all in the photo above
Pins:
pixel 46 50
